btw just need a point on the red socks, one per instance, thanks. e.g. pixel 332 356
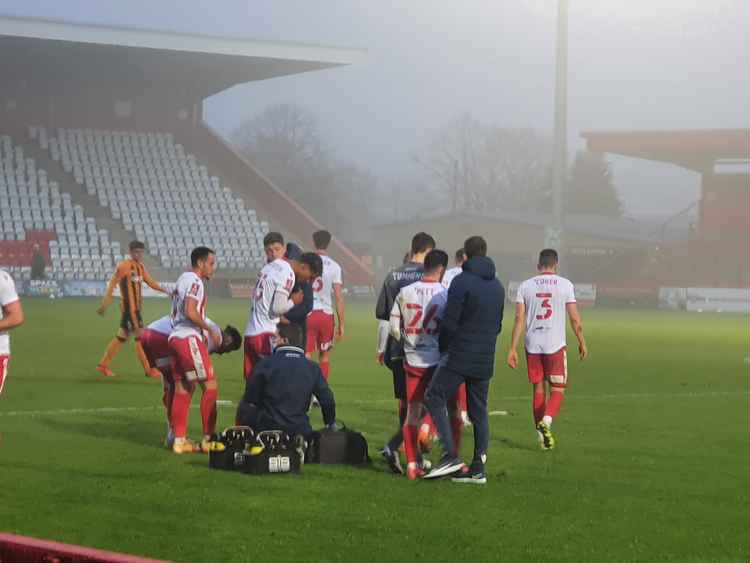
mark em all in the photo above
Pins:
pixel 325 367
pixel 168 398
pixel 554 403
pixel 462 402
pixel 180 409
pixel 538 406
pixel 411 446
pixel 208 411
pixel 457 427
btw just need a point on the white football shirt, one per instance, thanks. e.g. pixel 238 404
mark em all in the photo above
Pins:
pixel 419 308
pixel 323 286
pixel 450 274
pixel 189 286
pixel 276 276
pixel 545 297
pixel 8 295
pixel 164 326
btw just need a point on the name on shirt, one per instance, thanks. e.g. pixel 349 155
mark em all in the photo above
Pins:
pixel 399 276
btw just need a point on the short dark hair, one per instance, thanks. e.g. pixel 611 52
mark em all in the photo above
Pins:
pixel 293 251
pixel 273 238
pixel 435 259
pixel 314 261
pixel 321 239
pixel 422 242
pixel 475 246
pixel 200 253
pixel 548 258
pixel 231 340
pixel 292 333
pixel 136 245
pixel 460 254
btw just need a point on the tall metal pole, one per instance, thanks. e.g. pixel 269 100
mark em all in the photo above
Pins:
pixel 561 116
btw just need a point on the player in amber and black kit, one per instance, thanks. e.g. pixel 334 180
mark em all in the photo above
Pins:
pixel 390 350
pixel 129 277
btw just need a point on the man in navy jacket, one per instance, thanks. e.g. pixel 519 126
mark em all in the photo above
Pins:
pixel 471 323
pixel 279 392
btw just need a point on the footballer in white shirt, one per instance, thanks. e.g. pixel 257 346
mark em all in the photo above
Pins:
pixel 415 320
pixel 271 299
pixel 543 305
pixel 327 293
pixel 448 278
pixel 190 360
pixel 11 316
pixel 457 269
pixel 155 342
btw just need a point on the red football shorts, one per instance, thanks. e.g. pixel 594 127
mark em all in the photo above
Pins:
pixel 417 381
pixel 4 361
pixel 156 347
pixel 256 348
pixel 550 367
pixel 320 331
pixel 190 359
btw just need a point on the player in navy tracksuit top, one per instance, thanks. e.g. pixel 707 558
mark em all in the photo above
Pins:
pixel 390 350
pixel 278 393
pixel 298 314
pixel 471 323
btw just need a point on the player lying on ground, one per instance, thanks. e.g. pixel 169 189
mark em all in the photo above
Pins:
pixel 390 350
pixel 279 392
pixel 271 299
pixel 322 328
pixel 415 319
pixel 542 304
pixel 155 341
pixel 11 316
pixel 129 277
pixel 191 364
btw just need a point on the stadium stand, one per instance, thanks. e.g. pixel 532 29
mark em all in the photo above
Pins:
pixel 160 193
pixel 36 212
pixel 120 126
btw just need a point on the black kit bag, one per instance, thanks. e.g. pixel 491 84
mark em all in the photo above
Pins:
pixel 274 452
pixel 227 451
pixel 343 446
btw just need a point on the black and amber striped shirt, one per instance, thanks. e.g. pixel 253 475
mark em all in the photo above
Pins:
pixel 129 277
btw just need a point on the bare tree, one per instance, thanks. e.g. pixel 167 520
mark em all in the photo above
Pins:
pixel 285 142
pixel 482 168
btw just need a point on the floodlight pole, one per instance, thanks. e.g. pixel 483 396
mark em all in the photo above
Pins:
pixel 561 115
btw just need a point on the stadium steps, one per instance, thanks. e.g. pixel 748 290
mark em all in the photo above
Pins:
pixel 260 193
pixel 90 205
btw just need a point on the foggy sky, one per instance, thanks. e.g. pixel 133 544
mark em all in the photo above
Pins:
pixel 634 64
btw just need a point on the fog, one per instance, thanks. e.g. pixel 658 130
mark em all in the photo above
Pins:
pixel 633 65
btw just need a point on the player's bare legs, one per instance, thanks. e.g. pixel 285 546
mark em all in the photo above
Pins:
pixel 111 351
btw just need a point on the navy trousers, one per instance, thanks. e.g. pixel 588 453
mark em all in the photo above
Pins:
pixel 444 385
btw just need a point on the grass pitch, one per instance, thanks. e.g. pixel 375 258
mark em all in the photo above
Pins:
pixel 652 459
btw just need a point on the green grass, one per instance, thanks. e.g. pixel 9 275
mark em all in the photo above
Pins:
pixel 652 459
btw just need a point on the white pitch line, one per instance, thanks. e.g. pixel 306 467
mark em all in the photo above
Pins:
pixel 99 410
pixel 115 410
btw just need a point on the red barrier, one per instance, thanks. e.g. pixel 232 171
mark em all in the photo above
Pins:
pixel 21 252
pixel 21 549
